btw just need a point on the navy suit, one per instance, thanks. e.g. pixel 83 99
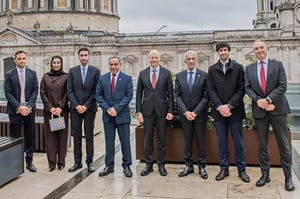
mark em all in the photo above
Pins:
pixel 154 104
pixel 196 101
pixel 119 100
pixel 275 90
pixel 80 93
pixel 12 93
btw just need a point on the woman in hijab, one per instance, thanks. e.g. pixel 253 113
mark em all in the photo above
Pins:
pixel 54 97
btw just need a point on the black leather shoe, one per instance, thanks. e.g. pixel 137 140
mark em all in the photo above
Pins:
pixel 60 166
pixel 289 184
pixel 106 171
pixel 91 168
pixel 127 172
pixel 162 171
pixel 222 174
pixel 243 175
pixel 148 169
pixel 51 169
pixel 203 173
pixel 75 167
pixel 186 171
pixel 30 167
pixel 265 178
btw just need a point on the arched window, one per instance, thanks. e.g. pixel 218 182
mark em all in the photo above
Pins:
pixel 273 25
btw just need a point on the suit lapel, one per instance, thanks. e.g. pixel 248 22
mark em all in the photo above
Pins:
pixel 118 81
pixel 147 76
pixel 197 79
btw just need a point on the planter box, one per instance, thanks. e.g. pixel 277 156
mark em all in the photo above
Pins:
pixel 175 147
pixel 11 158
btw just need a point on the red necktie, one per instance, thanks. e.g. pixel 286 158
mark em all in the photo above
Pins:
pixel 262 77
pixel 113 83
pixel 153 79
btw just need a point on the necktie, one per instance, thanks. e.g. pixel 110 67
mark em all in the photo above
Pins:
pixel 112 84
pixel 224 68
pixel 262 77
pixel 22 86
pixel 83 74
pixel 190 80
pixel 153 79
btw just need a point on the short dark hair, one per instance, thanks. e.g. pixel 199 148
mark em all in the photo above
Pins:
pixel 83 49
pixel 222 44
pixel 19 52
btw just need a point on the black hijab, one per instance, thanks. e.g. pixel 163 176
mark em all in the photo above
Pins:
pixel 56 72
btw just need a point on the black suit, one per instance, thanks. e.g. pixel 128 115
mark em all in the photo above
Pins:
pixel 12 93
pixel 80 93
pixel 275 90
pixel 154 104
pixel 194 101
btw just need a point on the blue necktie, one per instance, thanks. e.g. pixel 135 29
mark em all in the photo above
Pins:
pixel 83 74
pixel 190 81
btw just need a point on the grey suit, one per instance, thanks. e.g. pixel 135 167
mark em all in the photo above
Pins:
pixel 276 88
pixel 196 101
pixel 154 104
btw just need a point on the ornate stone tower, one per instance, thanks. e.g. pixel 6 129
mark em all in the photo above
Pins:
pixel 265 16
pixel 279 14
pixel 60 15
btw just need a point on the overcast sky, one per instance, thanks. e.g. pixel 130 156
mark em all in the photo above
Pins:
pixel 185 15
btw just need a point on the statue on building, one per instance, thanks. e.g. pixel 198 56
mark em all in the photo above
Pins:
pixel 70 28
pixel 9 16
pixel 37 26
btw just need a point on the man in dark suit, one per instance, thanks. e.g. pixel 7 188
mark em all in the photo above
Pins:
pixel 114 93
pixel 266 84
pixel 21 89
pixel 81 88
pixel 191 98
pixel 154 106
pixel 226 90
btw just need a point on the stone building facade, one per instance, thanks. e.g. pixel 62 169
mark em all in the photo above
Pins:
pixel 45 28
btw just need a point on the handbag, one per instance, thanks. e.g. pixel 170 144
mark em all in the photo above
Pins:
pixel 57 124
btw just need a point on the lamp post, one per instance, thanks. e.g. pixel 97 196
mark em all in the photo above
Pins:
pixel 162 27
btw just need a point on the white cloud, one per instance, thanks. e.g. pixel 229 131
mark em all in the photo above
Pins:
pixel 187 15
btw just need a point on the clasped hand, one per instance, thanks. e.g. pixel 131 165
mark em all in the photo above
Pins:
pixel 224 110
pixel 264 104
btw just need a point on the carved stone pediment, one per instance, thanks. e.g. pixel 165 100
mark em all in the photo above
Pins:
pixel 131 59
pixel 165 58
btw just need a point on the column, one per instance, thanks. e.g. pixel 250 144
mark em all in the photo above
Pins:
pixel 92 6
pixel 30 4
pixel 80 4
pixel 19 4
pixel 42 3
pixel 1 6
pixel 4 6
pixel 10 5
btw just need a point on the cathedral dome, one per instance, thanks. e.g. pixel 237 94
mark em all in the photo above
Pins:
pixel 60 15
